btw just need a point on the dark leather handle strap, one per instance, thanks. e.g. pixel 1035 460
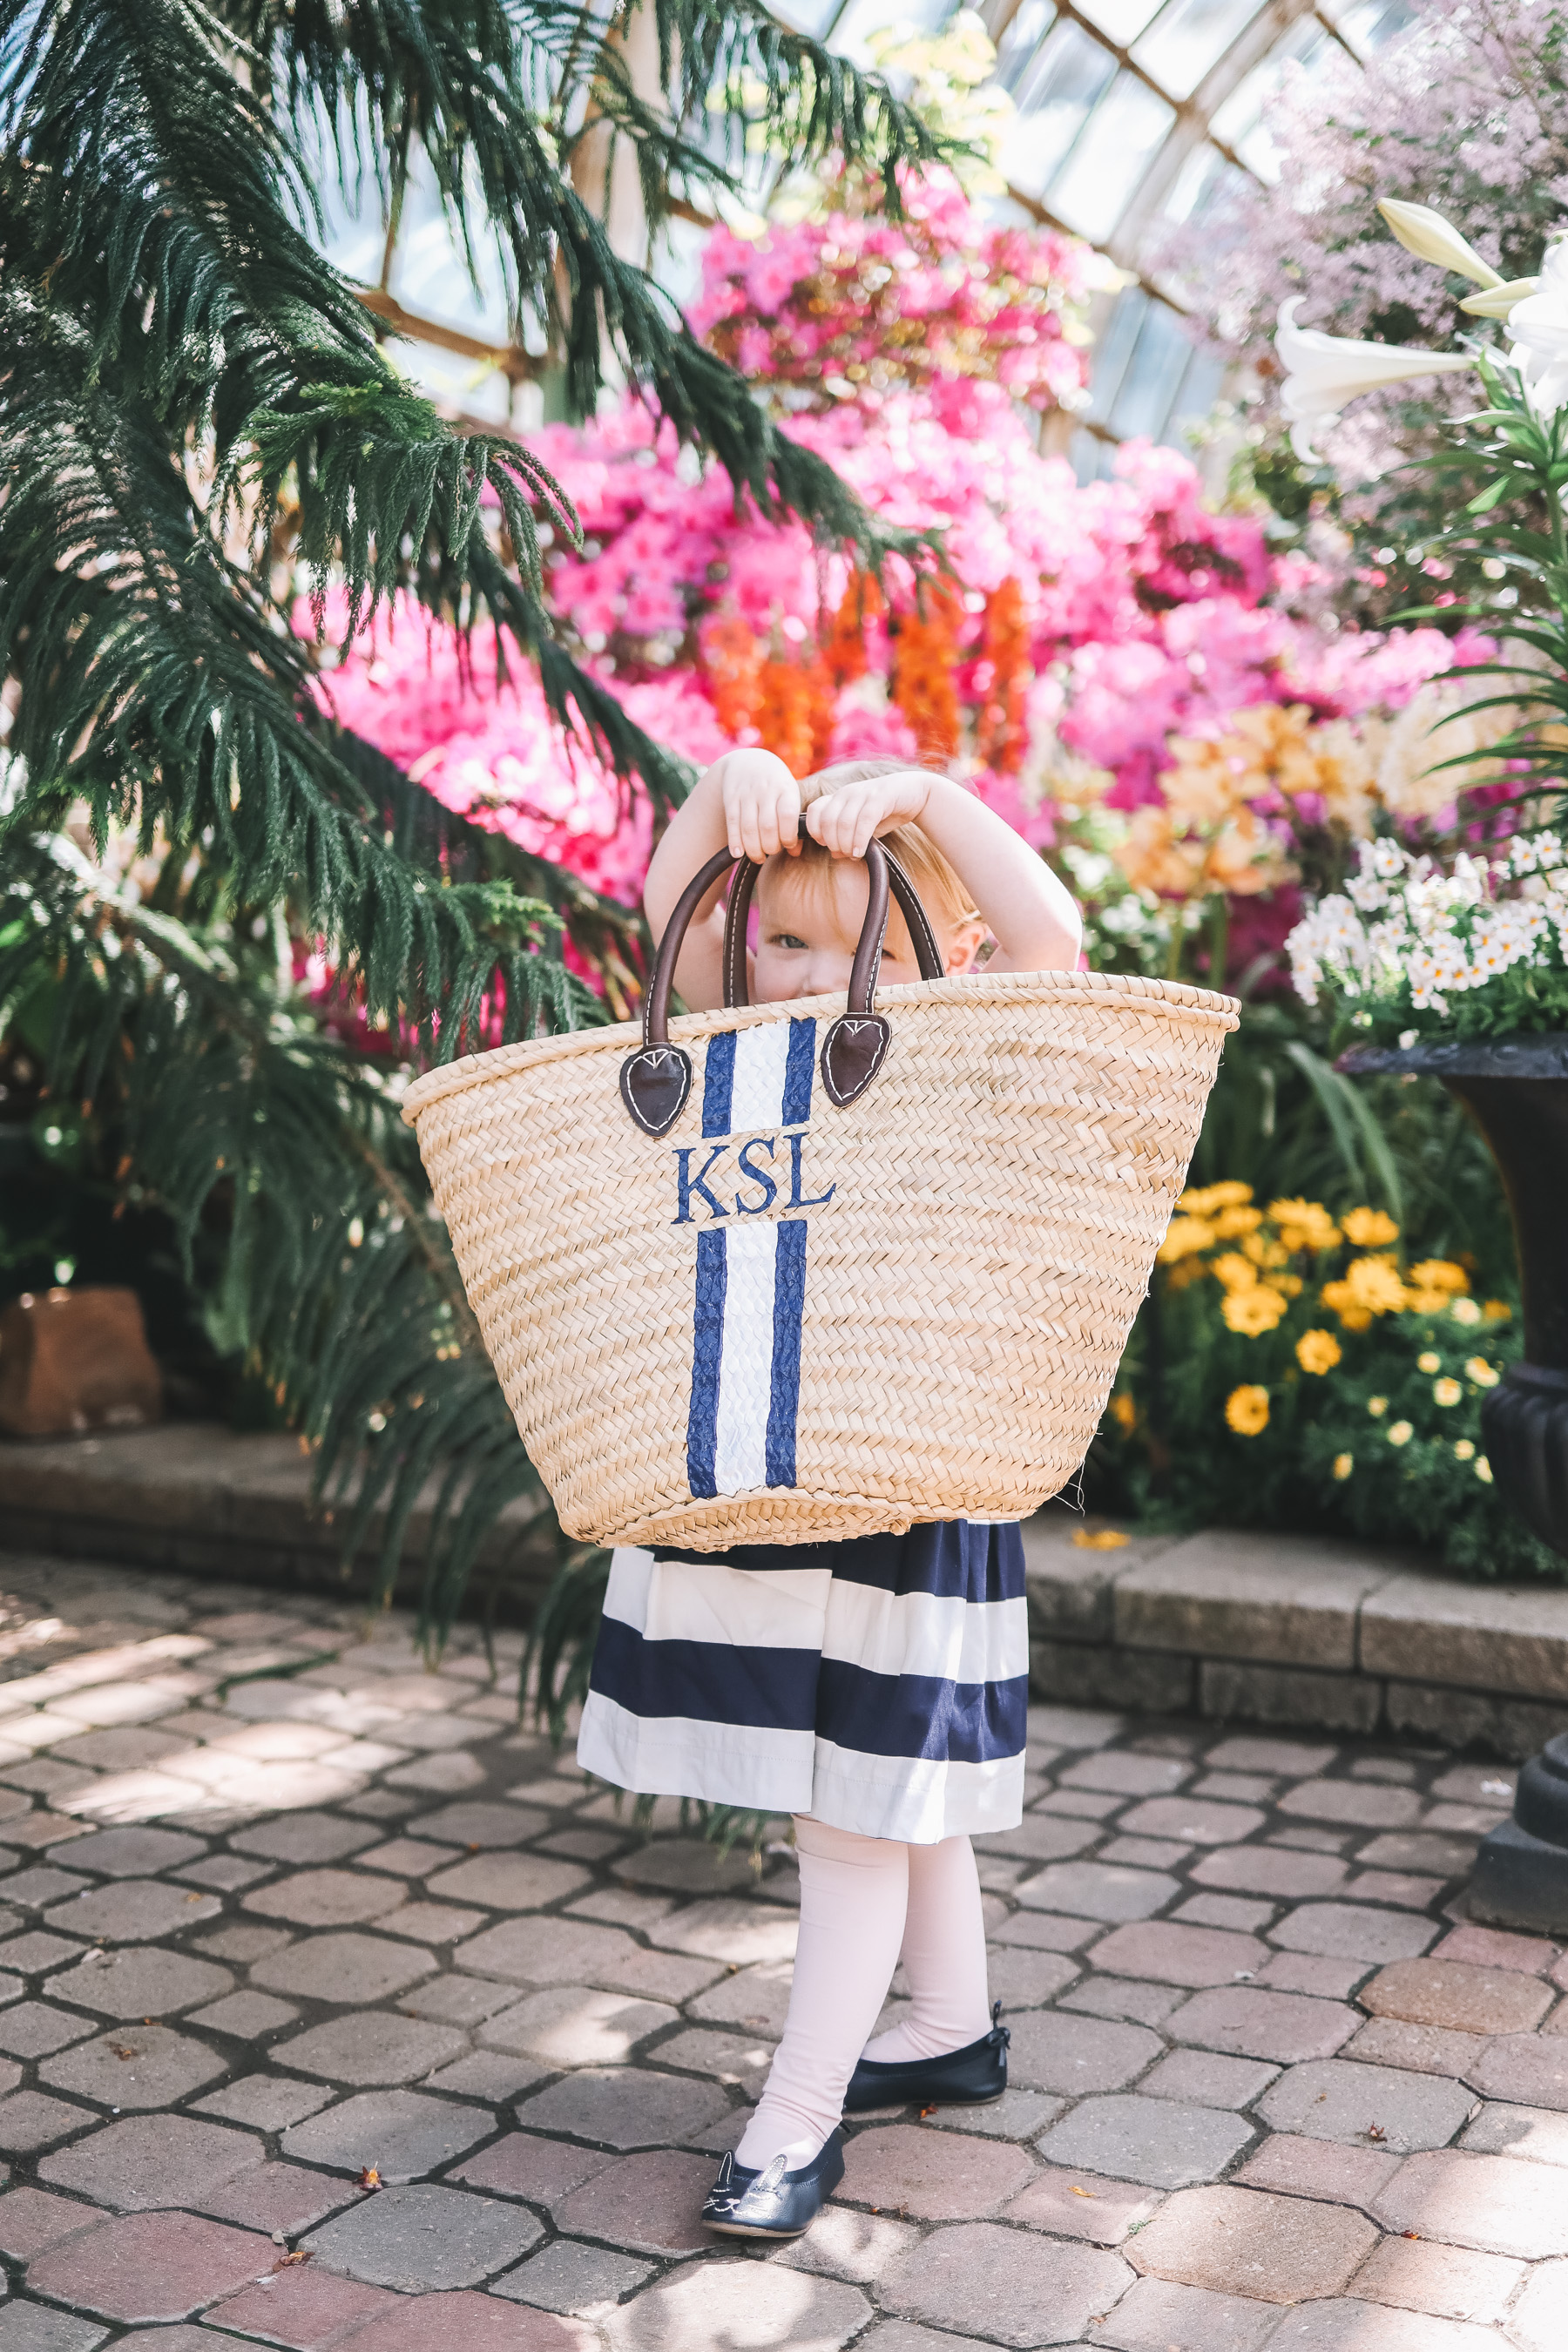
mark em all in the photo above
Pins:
pixel 928 955
pixel 657 1079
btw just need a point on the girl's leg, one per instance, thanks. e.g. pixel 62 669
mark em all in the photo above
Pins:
pixel 853 1894
pixel 944 1957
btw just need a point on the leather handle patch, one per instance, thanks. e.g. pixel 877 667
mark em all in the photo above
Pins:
pixel 853 1052
pixel 655 1083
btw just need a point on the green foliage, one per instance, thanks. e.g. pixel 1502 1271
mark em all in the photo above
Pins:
pixel 187 386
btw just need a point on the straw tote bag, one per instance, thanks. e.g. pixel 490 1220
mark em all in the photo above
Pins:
pixel 781 1273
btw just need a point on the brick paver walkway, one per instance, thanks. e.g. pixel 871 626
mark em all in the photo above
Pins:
pixel 281 1906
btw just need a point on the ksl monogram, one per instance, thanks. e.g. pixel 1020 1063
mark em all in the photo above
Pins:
pixel 689 1187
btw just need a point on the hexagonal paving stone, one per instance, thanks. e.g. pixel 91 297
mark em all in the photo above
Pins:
pixel 420 2238
pixel 1351 1931
pixel 134 1853
pixel 478 1823
pixel 324 1898
pixel 1057 2050
pixel 305 1837
pixel 557 1951
pixel 1382 2106
pixel 403 2133
pixel 1251 2023
pixel 27 2326
pixel 349 1969
pixel 686 1866
pixel 480 2322
pixel 130 1910
pixel 150 2266
pixel 1165 2142
pixel 573 2026
pixel 140 1980
pixel 281 2198
pixel 935 2177
pixel 306 2308
pixel 1159 2315
pixel 152 2160
pixel 1460 1996
pixel 33 2027
pixel 1173 1954
pixel 646 2204
pixel 269 2102
pixel 571 2277
pixel 625 2106
pixel 1098 1890
pixel 1074 2205
pixel 135 2066
pixel 1499 2204
pixel 1240 2242
pixel 1018 2290
pixel 714 2306
pixel 757 1998
pixel 508 1882
pixel 725 1930
pixel 369 2046
pixel 29 2121
pixel 246 2015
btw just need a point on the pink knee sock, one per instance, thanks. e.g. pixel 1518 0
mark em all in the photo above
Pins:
pixel 853 1897
pixel 944 1957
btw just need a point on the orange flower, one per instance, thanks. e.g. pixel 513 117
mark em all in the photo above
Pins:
pixel 844 648
pixel 1001 733
pixel 789 719
pixel 923 658
pixel 734 660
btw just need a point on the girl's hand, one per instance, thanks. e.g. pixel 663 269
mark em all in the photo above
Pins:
pixel 845 820
pixel 761 805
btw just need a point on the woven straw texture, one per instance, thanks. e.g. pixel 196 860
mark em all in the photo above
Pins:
pixel 996 1199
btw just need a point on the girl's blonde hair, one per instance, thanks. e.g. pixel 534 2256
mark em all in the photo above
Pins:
pixel 937 884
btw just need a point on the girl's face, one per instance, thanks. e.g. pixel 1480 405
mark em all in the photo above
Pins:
pixel 809 914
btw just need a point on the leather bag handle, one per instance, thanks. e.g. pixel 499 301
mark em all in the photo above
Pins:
pixel 657 1079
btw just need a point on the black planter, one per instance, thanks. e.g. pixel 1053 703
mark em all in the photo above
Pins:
pixel 1516 1089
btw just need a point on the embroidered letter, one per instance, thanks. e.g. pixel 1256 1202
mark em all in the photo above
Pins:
pixel 758 1176
pixel 796 1199
pixel 686 1184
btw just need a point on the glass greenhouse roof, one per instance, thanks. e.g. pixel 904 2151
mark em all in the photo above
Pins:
pixel 1132 116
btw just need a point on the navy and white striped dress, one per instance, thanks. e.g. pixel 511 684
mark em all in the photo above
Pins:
pixel 878 1684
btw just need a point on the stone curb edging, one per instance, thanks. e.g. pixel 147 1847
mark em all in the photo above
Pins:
pixel 1298 1629
pixel 1286 1630
pixel 209 1501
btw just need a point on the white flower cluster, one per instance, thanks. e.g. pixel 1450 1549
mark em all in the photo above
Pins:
pixel 1407 932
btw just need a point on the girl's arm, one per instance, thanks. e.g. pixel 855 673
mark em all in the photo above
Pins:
pixel 1029 913
pixel 747 800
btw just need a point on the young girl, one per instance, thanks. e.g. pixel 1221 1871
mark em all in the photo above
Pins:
pixel 875 1688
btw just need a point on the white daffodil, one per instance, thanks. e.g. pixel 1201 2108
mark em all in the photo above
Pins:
pixel 1323 371
pixel 1430 237
pixel 1540 327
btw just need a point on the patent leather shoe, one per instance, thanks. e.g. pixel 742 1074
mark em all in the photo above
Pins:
pixel 971 2076
pixel 772 2202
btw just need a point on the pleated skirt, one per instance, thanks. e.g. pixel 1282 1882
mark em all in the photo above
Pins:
pixel 880 1683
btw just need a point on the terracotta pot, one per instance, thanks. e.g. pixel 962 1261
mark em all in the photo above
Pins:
pixel 75 1360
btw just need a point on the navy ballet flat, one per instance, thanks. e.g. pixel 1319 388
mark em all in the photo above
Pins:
pixel 772 2202
pixel 970 2077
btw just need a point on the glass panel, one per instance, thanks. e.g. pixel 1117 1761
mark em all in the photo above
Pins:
pixel 1056 99
pixel 1238 122
pixel 1196 183
pixel 1112 156
pixel 1154 379
pixel 1120 20
pixel 1015 49
pixel 1113 350
pixel 813 17
pixel 1368 24
pixel 1200 389
pixel 1091 458
pixel 914 20
pixel 1189 36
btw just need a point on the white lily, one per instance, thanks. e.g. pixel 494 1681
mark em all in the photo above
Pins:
pixel 1430 237
pixel 1500 302
pixel 1323 371
pixel 1539 329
